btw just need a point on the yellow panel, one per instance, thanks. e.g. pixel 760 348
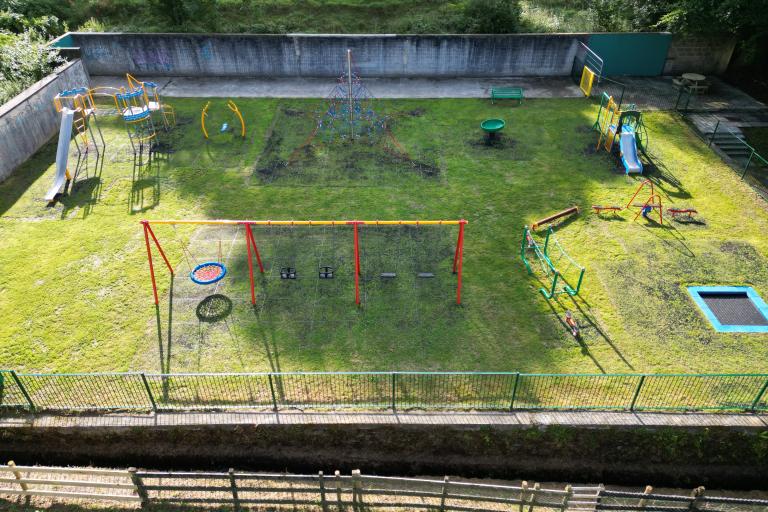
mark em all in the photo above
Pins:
pixel 587 77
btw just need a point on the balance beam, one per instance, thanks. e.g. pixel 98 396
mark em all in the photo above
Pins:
pixel 547 220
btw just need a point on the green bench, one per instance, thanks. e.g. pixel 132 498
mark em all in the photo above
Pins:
pixel 507 93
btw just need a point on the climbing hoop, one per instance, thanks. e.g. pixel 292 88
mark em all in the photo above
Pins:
pixel 208 273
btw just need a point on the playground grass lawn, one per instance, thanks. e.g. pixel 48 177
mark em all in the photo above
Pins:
pixel 75 293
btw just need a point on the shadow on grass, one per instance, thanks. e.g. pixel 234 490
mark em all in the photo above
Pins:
pixel 582 306
pixel 675 239
pixel 18 183
pixel 664 179
pixel 145 188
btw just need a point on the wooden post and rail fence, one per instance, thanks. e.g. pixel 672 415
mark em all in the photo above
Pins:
pixel 339 492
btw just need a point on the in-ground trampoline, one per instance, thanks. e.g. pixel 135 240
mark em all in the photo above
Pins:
pixel 732 308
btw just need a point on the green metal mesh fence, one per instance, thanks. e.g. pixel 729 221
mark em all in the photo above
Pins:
pixel 383 390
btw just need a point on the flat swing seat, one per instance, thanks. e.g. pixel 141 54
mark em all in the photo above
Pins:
pixel 287 273
pixel 425 274
pixel 388 275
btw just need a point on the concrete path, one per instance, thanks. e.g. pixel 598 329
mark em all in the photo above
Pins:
pixel 514 419
pixel 195 87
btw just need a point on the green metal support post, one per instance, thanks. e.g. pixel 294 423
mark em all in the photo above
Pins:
pixel 637 393
pixel 23 390
pixel 523 247
pixel 394 391
pixel 149 392
pixel 272 390
pixel 514 392
pixel 759 396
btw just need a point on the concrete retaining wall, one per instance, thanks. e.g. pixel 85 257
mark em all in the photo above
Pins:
pixel 673 456
pixel 707 55
pixel 323 55
pixel 30 120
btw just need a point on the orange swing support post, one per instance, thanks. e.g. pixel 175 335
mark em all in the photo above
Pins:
pixel 253 249
pixel 654 200
pixel 147 234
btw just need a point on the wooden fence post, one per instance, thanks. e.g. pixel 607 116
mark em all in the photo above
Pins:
pixel 17 475
pixel 323 501
pixel 445 492
pixel 534 494
pixel 337 474
pixel 567 497
pixel 357 494
pixel 233 485
pixel 643 501
pixel 524 488
pixel 139 485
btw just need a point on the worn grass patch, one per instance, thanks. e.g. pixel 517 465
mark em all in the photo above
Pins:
pixel 75 294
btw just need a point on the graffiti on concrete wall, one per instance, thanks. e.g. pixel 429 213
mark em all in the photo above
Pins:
pixel 151 59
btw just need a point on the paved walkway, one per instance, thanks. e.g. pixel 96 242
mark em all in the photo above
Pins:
pixel 195 87
pixel 513 419
pixel 648 93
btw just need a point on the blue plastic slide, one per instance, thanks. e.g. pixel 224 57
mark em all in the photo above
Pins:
pixel 628 147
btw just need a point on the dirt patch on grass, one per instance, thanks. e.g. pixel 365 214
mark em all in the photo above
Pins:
pixel 295 154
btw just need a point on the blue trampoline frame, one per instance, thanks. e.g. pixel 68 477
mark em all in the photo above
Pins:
pixel 208 264
pixel 757 301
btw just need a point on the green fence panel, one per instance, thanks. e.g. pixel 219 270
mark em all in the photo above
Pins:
pixel 86 391
pixel 454 390
pixel 333 390
pixel 634 54
pixel 383 390
pixel 11 395
pixel 699 392
pixel 585 391
pixel 210 390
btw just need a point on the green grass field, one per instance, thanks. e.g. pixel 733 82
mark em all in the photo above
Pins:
pixel 75 292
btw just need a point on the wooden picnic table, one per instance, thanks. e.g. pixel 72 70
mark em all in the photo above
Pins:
pixel 693 77
pixel 695 82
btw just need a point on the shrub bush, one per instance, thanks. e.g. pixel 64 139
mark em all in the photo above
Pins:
pixel 492 16
pixel 24 61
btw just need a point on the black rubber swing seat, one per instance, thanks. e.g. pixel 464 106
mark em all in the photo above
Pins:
pixel 287 273
pixel 325 273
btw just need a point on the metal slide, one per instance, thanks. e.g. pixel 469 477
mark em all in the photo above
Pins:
pixel 62 153
pixel 629 158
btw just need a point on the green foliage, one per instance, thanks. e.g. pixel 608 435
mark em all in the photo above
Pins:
pixel 24 61
pixel 607 15
pixel 188 13
pixel 492 16
pixel 93 25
